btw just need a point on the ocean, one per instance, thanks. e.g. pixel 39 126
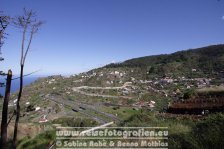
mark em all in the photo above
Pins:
pixel 15 83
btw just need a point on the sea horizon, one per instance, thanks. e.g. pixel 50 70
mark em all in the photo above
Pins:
pixel 15 83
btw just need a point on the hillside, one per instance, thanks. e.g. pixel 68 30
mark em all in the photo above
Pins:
pixel 135 82
pixel 136 92
pixel 206 60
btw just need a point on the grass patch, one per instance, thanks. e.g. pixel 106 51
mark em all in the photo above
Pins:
pixel 40 141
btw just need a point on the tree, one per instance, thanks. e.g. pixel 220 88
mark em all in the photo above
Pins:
pixel 4 22
pixel 29 25
pixel 4 123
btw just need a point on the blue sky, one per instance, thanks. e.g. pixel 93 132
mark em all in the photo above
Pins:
pixel 83 34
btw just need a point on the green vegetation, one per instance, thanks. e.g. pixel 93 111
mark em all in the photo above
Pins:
pixel 74 122
pixel 121 112
pixel 161 101
pixel 206 61
pixel 185 132
pixel 40 141
pixel 217 91
pixel 189 93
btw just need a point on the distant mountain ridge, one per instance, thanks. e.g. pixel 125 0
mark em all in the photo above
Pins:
pixel 208 60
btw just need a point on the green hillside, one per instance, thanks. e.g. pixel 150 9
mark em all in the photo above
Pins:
pixel 136 92
pixel 207 60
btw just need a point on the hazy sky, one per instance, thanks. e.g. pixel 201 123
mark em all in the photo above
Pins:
pixel 84 34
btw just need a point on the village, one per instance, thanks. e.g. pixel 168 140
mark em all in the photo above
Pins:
pixel 118 86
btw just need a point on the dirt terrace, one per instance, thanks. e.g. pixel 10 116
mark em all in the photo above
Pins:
pixel 197 106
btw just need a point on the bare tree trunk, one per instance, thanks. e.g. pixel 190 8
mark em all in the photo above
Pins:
pixel 18 108
pixel 29 24
pixel 5 111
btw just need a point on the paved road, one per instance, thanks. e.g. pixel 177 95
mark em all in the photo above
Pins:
pixel 77 89
pixel 76 106
pixel 94 108
pixel 98 95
